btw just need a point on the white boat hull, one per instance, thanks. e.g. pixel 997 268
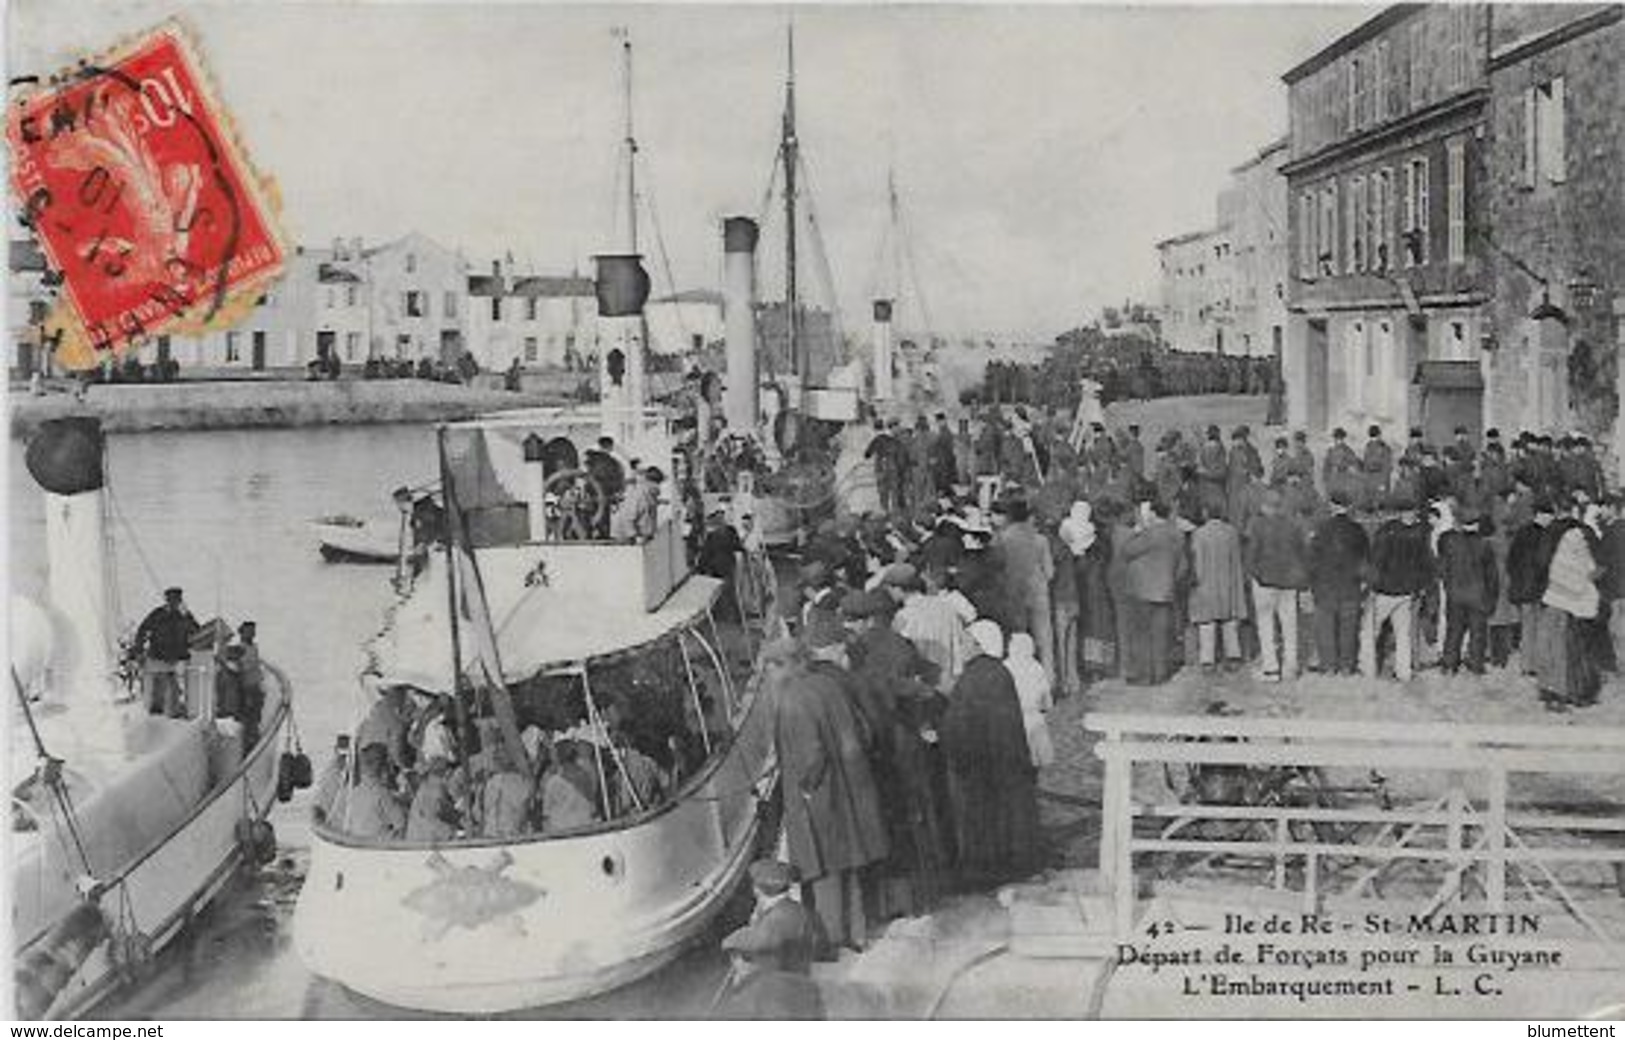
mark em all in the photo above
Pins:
pixel 366 542
pixel 155 893
pixel 486 927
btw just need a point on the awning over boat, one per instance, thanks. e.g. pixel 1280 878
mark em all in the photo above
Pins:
pixel 539 627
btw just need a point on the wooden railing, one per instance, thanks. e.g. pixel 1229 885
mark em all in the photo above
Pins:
pixel 1468 831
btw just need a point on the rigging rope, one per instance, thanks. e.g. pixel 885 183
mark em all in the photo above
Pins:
pixel 822 255
pixel 665 258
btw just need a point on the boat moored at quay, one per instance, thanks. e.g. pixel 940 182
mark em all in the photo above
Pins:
pixel 590 675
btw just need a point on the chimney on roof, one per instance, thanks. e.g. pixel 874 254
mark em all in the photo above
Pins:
pixel 496 268
pixel 338 249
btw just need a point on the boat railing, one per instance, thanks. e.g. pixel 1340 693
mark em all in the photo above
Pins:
pixel 1264 788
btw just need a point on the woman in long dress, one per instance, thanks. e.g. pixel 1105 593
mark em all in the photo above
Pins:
pixel 1568 673
pixel 990 772
pixel 1090 557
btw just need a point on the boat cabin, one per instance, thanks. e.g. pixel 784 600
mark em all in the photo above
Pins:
pixel 599 654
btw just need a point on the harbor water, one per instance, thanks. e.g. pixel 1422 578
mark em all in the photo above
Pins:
pixel 226 516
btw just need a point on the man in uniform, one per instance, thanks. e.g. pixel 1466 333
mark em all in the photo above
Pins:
pixel 1378 467
pixel 1342 466
pixel 165 639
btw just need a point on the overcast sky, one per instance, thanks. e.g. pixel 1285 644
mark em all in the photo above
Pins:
pixel 1039 151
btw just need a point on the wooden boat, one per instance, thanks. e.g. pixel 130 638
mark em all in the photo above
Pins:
pixel 348 539
pixel 583 637
pixel 124 825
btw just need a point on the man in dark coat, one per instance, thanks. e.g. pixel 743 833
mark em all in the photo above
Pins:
pixel 832 815
pixel 1210 473
pixel 883 452
pixel 164 640
pixel 1377 467
pixel 944 472
pixel 895 687
pixel 1155 568
pixel 1529 559
pixel 1402 567
pixel 1471 586
pixel 1337 560
pixel 1242 467
pixel 990 771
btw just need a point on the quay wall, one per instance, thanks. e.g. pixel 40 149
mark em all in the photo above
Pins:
pixel 133 408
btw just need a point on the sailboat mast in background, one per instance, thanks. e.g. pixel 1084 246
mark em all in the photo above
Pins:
pixel 789 147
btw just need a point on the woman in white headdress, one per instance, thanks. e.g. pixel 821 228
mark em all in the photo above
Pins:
pixel 990 773
pixel 1034 691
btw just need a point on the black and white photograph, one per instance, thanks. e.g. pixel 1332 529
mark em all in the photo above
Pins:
pixel 797 511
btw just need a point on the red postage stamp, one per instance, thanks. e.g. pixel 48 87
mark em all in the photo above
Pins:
pixel 130 175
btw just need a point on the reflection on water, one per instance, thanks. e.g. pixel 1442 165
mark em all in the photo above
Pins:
pixel 225 515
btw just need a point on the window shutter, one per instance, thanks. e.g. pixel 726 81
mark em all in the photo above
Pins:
pixel 1531 109
pixel 1422 204
pixel 1552 162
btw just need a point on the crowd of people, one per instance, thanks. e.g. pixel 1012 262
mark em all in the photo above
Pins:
pixel 1125 376
pixel 1120 558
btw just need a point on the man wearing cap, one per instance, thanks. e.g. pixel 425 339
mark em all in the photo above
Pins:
pixel 1377 467
pixel 832 817
pixel 1275 553
pixel 1303 460
pixel 892 680
pixel 164 637
pixel 1242 467
pixel 781 934
pixel 1341 470
pixel 882 451
pixel 1337 563
pixel 1402 566
pixel 1471 586
pixel 240 661
pixel 760 994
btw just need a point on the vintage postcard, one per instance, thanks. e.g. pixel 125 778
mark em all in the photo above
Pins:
pixel 868 511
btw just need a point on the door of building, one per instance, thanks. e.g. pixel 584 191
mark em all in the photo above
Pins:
pixel 258 356
pixel 1316 373
pixel 451 346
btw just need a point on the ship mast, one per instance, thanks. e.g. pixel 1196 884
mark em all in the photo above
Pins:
pixel 631 143
pixel 789 154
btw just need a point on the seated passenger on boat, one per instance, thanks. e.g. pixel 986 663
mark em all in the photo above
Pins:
pixel 372 809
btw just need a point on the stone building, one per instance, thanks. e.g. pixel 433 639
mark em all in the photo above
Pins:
pixel 1224 288
pixel 418 299
pixel 684 323
pixel 1557 217
pixel 1253 207
pixel 1198 310
pixel 1390 278
pixel 542 321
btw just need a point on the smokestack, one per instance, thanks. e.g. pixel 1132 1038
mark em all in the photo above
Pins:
pixel 741 402
pixel 882 350
pixel 65 459
pixel 622 288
